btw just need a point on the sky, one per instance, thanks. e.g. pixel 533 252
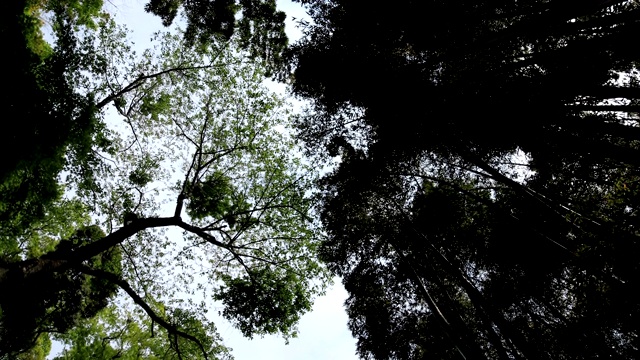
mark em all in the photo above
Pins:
pixel 323 332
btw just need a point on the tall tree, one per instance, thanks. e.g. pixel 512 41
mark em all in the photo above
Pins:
pixel 199 131
pixel 485 201
pixel 59 127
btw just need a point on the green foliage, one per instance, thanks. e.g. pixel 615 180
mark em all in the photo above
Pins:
pixel 57 119
pixel 33 302
pixel 143 172
pixel 210 197
pixel 31 27
pixel 82 12
pixel 128 335
pixel 39 351
pixel 152 106
pixel 196 325
pixel 195 116
pixel 60 221
pixel 265 301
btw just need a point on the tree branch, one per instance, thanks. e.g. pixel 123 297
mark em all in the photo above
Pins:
pixel 124 285
pixel 140 80
pixel 88 251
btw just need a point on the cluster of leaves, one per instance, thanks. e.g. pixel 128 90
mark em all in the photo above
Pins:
pixel 210 197
pixel 117 333
pixel 57 127
pixel 486 193
pixel 265 301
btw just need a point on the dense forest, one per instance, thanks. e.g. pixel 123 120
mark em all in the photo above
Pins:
pixel 484 202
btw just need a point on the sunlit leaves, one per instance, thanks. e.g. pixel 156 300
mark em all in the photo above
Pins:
pixel 126 334
pixel 200 132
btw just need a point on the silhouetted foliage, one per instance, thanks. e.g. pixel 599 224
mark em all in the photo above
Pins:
pixel 485 202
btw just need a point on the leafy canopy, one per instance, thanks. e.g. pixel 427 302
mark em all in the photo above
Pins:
pixel 485 200
pixel 193 142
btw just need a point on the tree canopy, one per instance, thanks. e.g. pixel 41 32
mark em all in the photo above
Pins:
pixel 123 148
pixel 486 203
pixel 59 127
pixel 485 199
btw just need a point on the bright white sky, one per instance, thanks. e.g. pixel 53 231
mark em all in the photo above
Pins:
pixel 323 333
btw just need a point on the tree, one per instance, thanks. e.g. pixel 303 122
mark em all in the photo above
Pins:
pixel 59 127
pixel 486 188
pixel 199 131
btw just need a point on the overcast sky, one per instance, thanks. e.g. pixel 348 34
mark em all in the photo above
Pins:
pixel 323 333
